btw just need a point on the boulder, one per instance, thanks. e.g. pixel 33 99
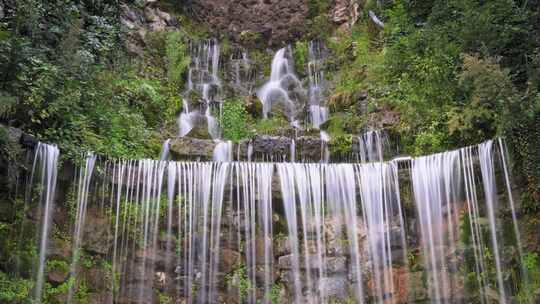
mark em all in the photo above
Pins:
pixel 192 148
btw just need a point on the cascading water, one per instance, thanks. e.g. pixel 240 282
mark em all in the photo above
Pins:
pixel 84 179
pixel 241 73
pixel 282 88
pixel 384 222
pixel 317 84
pixel 191 229
pixel 446 187
pixel 371 146
pixel 46 165
pixel 165 150
pixel 203 80
pixel 223 151
pixel 435 182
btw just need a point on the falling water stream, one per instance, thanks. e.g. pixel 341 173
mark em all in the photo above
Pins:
pixel 174 222
pixel 45 170
pixel 203 89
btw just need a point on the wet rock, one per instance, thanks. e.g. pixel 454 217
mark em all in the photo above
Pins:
pixel 105 297
pixel 59 249
pixel 281 246
pixel 160 259
pixel 336 287
pixel 230 260
pixel 57 275
pixel 97 278
pixel 60 297
pixel 285 262
pixel 418 290
pixel 96 237
pixel 133 294
pixel 192 147
pixel 336 264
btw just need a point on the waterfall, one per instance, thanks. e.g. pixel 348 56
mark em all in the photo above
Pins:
pixel 446 185
pixel 317 85
pixel 325 152
pixel 191 228
pixel 165 150
pixel 435 182
pixel 46 165
pixel 242 73
pixel 383 217
pixel 371 146
pixel 223 151
pixel 84 179
pixel 276 90
pixel 203 83
pixel 485 153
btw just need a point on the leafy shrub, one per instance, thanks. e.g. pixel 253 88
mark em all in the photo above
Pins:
pixel 301 53
pixel 177 59
pixel 235 121
pixel 13 289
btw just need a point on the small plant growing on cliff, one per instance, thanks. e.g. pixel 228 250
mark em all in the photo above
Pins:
pixel 239 279
pixel 341 145
pixel 300 53
pixel 235 121
pixel 274 295
pixel 177 59
pixel 165 299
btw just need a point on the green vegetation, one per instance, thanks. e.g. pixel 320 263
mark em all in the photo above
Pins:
pixel 274 295
pixel 164 299
pixel 13 289
pixel 271 126
pixel 236 124
pixel 301 53
pixel 239 279
pixel 57 265
pixel 341 145
pixel 66 67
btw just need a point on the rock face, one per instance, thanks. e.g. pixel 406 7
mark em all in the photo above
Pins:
pixel 264 146
pixel 346 13
pixel 274 21
pixel 139 22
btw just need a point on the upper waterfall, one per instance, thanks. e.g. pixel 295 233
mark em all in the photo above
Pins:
pixel 202 97
pixel 283 81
